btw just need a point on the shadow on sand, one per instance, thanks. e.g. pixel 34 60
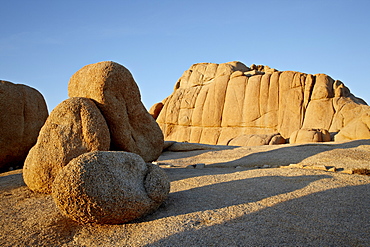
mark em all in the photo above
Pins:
pixel 235 192
pixel 289 154
pixel 335 217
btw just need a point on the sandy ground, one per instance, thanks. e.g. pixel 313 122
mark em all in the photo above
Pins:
pixel 230 202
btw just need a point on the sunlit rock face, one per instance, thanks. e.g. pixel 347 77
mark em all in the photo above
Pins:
pixel 112 87
pixel 74 127
pixel 216 103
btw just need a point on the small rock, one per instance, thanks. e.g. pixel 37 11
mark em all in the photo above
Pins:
pixel 332 169
pixel 347 171
pixel 239 167
pixel 266 166
pixel 161 164
pixel 190 167
pixel 320 167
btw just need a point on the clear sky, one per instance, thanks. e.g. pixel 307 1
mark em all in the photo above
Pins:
pixel 43 43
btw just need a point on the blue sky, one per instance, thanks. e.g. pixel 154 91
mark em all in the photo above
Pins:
pixel 43 43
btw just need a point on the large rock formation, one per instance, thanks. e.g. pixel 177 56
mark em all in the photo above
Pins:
pixel 215 103
pixel 109 188
pixel 115 92
pixel 74 127
pixel 23 112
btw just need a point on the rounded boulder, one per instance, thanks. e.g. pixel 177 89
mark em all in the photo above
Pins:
pixel 117 95
pixel 110 187
pixel 74 127
pixel 307 135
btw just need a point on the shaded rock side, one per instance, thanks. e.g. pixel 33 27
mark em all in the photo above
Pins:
pixel 109 188
pixel 74 127
pixel 215 103
pixel 117 95
pixel 23 113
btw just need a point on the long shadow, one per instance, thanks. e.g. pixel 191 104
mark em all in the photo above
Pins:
pixel 231 193
pixel 174 155
pixel 176 174
pixel 282 156
pixel 289 154
pixel 335 217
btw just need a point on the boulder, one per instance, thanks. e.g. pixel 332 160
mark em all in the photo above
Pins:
pixel 156 109
pixel 257 140
pixel 116 94
pixel 23 113
pixel 109 188
pixel 358 128
pixel 310 135
pixel 74 127
pixel 277 140
pixel 214 103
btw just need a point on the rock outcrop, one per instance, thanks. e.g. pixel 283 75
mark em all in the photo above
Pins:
pixel 116 94
pixel 23 113
pixel 109 188
pixel 216 103
pixel 74 127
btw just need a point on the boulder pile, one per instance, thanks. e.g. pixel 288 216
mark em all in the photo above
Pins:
pixel 219 103
pixel 71 158
pixel 23 113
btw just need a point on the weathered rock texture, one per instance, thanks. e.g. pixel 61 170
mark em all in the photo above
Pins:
pixel 23 112
pixel 215 103
pixel 74 127
pixel 115 92
pixel 109 188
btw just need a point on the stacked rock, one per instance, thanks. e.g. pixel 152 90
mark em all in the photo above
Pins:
pixel 71 158
pixel 117 95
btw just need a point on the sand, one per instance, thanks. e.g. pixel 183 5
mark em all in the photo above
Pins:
pixel 230 202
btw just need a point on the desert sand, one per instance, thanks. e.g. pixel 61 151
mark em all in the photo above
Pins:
pixel 240 198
